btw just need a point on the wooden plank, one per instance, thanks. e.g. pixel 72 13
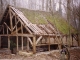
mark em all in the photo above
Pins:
pixel 38 39
pixel 34 44
pixel 3 29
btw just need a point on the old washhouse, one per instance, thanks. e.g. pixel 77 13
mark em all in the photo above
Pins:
pixel 16 27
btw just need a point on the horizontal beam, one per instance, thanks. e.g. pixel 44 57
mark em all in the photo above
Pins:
pixel 25 35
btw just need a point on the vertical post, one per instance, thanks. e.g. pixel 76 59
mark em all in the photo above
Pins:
pixel 22 42
pixel 22 36
pixel 49 42
pixel 0 41
pixel 27 44
pixel 17 43
pixel 8 42
pixel 34 44
pixel 59 42
pixel 11 20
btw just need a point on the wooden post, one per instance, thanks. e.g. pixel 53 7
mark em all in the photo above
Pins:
pixel 0 41
pixel 27 44
pixel 22 42
pixel 49 42
pixel 8 42
pixel 11 20
pixel 22 36
pixel 34 44
pixel 17 43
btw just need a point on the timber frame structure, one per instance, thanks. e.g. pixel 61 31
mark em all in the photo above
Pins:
pixel 15 24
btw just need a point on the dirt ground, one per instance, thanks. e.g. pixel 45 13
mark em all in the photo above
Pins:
pixel 52 55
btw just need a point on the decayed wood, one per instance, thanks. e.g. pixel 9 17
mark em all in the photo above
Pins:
pixel 34 44
pixel 7 26
pixel 22 42
pixel 8 42
pixel 38 40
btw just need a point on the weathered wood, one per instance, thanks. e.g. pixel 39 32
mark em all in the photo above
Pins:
pixel 38 40
pixel 28 45
pixel 8 42
pixel 17 42
pixel 11 24
pixel 7 26
pixel 30 41
pixel 22 42
pixel 25 35
pixel 49 43
pixel 34 44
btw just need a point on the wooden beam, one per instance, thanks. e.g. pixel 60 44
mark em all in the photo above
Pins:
pixel 7 26
pixel 17 42
pixel 34 44
pixel 25 35
pixel 8 42
pixel 11 24
pixel 15 24
pixel 24 25
pixel 14 32
pixel 30 41
pixel 38 39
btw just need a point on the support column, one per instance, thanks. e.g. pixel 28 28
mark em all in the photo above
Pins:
pixel 22 42
pixel 0 41
pixel 8 42
pixel 34 44
pixel 27 45
pixel 49 42
pixel 17 43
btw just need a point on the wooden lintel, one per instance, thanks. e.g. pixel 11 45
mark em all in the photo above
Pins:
pixel 30 41
pixel 38 39
pixel 7 26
